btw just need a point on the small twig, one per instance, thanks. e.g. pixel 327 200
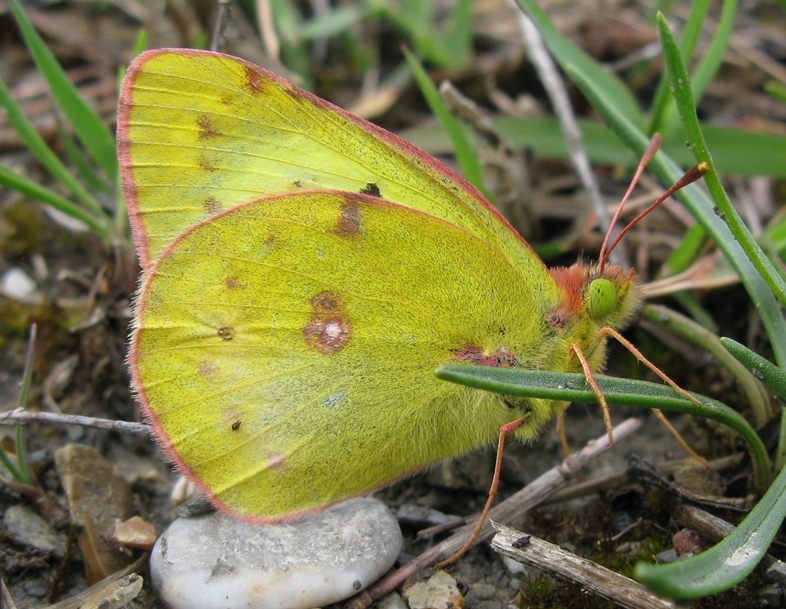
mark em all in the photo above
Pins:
pixel 115 590
pixel 35 495
pixel 16 416
pixel 527 498
pixel 565 565
pixel 555 89
pixel 6 600
pixel 617 479
pixel 220 21
pixel 267 29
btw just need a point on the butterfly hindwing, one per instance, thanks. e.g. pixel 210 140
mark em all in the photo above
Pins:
pixel 285 349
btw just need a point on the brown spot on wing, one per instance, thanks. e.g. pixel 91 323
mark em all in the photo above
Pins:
pixel 212 206
pixel 206 128
pixel 329 329
pixel 207 369
pixel 233 284
pixel 349 223
pixel 474 354
pixel 255 81
pixel 207 165
pixel 226 333
pixel 267 244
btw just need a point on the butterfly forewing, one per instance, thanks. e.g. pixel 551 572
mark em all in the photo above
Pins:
pixel 202 132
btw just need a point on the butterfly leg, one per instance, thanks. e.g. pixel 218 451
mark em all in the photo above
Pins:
pixel 604 407
pixel 503 433
pixel 664 377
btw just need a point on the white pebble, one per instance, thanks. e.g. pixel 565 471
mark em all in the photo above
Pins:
pixel 17 285
pixel 216 561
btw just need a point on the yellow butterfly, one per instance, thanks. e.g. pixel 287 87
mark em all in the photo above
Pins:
pixel 304 273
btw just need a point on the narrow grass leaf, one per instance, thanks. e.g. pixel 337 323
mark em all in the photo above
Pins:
pixel 572 387
pixel 661 101
pixel 88 125
pixel 43 153
pixel 680 86
pixel 465 155
pixel 727 563
pixel 32 189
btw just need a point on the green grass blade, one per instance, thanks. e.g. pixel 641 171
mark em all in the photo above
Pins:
pixel 458 34
pixel 770 375
pixel 27 381
pixel 706 69
pixel 572 387
pixel 20 470
pixel 81 163
pixel 776 89
pixel 767 372
pixel 39 148
pixel 686 251
pixel 683 96
pixel 88 125
pixel 711 62
pixel 662 101
pixel 27 187
pixel 727 563
pixel 465 155
pixel 13 469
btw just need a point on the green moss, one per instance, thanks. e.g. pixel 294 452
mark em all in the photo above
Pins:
pixel 543 592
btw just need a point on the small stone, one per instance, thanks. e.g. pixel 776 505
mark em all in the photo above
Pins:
pixel 216 561
pixel 473 474
pixel 440 591
pixel 513 566
pixel 667 556
pixel 391 601
pixel 17 285
pixel 135 533
pixel 97 498
pixel 483 591
pixel 36 588
pixel 27 528
pixel 688 543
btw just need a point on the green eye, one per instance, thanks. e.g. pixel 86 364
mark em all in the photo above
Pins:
pixel 602 298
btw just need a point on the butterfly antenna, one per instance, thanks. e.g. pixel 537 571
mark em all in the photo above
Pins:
pixel 649 153
pixel 689 177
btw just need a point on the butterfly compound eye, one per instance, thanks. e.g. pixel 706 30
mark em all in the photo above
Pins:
pixel 602 298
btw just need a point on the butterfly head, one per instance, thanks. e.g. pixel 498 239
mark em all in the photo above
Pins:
pixel 608 295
